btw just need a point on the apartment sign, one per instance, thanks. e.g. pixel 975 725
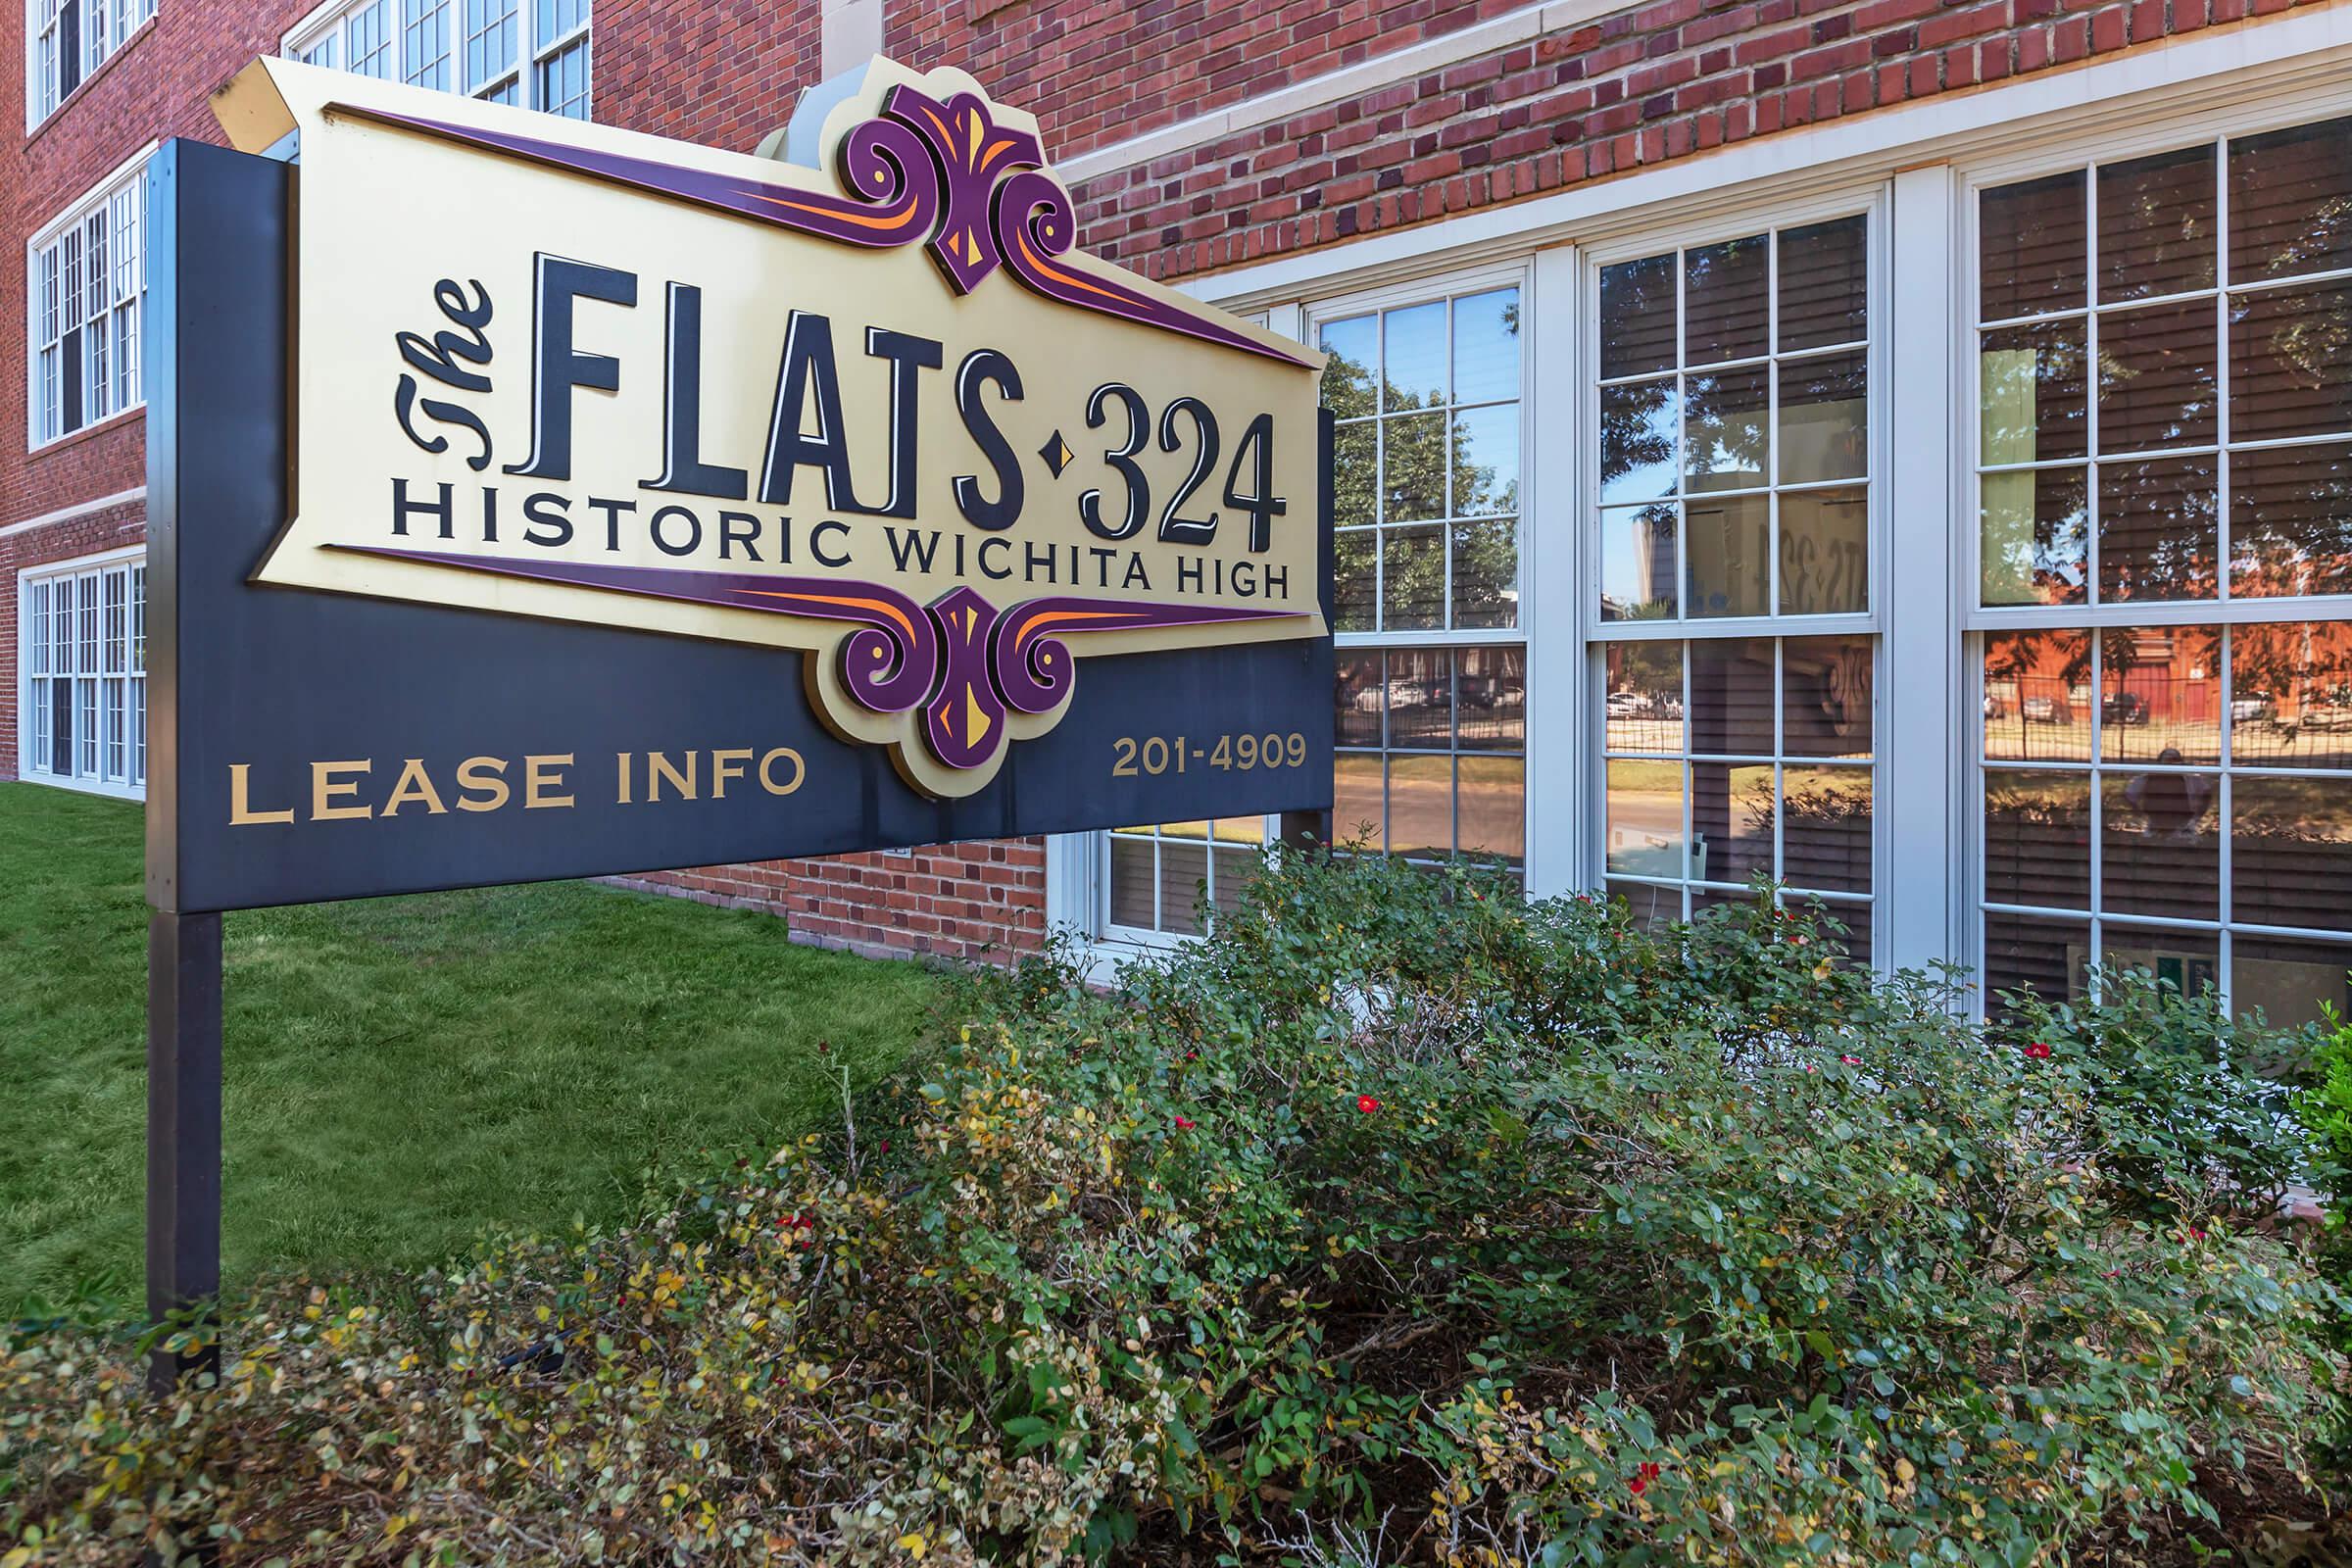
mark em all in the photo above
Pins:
pixel 628 501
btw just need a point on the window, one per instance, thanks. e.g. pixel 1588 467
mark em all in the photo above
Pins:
pixel 84 650
pixel 2164 525
pixel 560 57
pixel 89 274
pixel 71 40
pixel 1430 711
pixel 478 47
pixel 1426 391
pixel 1732 492
pixel 1730 756
pixel 1432 752
pixel 425 43
pixel 1159 876
pixel 1427 495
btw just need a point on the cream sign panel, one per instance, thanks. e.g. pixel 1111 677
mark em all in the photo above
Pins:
pixel 879 409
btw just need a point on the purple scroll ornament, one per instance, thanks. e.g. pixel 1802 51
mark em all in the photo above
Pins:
pixel 963 661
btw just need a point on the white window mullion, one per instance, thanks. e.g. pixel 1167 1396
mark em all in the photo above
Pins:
pixel 1552 567
pixel 1925 570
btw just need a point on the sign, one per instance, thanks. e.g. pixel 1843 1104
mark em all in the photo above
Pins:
pixel 531 498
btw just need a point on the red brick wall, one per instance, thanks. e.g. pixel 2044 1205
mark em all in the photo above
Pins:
pixel 1661 80
pixel 984 901
pixel 720 73
pixel 1099 71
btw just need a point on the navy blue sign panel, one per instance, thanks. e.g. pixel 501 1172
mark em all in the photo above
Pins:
pixel 308 746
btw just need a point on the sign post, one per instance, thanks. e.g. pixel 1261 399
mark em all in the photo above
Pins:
pixel 531 499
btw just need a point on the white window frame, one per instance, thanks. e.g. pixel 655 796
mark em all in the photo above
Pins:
pixel 2250 115
pixel 127 782
pixel 2276 71
pixel 1078 877
pixel 101 27
pixel 1873 201
pixel 325 37
pixel 50 304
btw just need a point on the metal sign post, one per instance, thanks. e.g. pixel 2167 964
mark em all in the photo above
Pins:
pixel 183 1134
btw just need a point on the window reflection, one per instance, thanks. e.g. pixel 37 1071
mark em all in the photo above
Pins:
pixel 1769 773
pixel 2148 351
pixel 1431 749
pixel 1427 461
pixel 1753 383
pixel 2183 788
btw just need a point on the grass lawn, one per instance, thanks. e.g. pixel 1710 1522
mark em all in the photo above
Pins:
pixel 402 1073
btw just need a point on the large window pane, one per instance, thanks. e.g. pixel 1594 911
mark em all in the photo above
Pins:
pixel 2291 201
pixel 2203 819
pixel 2037 837
pixel 1746 771
pixel 2156 225
pixel 2159 528
pixel 2156 377
pixel 1824 284
pixel 2290 520
pixel 1688 428
pixel 1427 463
pixel 2031 249
pixel 1431 749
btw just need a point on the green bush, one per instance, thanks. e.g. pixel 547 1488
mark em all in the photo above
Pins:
pixel 2325 1108
pixel 1402 1221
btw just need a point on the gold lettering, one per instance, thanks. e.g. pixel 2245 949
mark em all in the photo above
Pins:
pixel 416 784
pixel 621 760
pixel 325 786
pixel 657 768
pixel 485 774
pixel 725 765
pixel 538 778
pixel 240 808
pixel 767 764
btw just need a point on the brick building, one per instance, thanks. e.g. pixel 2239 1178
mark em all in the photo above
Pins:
pixel 1903 447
